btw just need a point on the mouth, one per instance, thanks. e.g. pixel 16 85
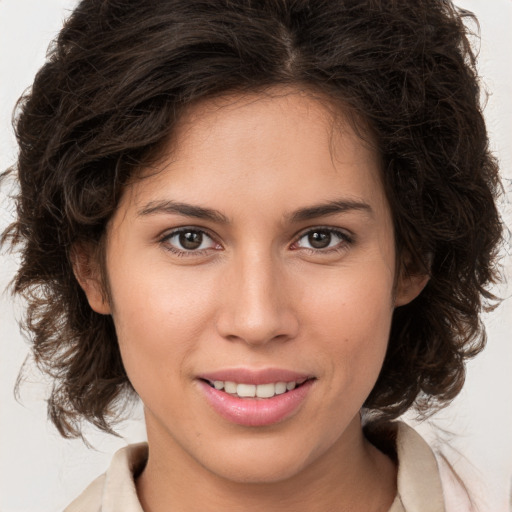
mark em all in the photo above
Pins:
pixel 262 391
pixel 256 398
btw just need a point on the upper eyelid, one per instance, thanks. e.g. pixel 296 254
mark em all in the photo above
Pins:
pixel 168 233
pixel 341 231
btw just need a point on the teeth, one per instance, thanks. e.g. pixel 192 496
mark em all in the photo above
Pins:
pixel 246 390
pixel 251 390
pixel 265 390
pixel 280 388
pixel 230 387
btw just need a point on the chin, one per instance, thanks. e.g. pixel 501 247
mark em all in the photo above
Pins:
pixel 263 463
pixel 267 471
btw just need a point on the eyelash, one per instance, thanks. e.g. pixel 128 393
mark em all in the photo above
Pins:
pixel 345 240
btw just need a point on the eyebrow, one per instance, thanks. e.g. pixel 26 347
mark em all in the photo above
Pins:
pixel 329 208
pixel 188 210
pixel 303 214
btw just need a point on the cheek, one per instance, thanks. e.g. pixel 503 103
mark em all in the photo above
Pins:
pixel 159 317
pixel 350 320
pixel 350 301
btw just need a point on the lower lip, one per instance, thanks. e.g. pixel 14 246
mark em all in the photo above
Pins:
pixel 256 412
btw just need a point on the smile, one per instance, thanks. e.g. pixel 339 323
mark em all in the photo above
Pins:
pixel 243 390
pixel 255 398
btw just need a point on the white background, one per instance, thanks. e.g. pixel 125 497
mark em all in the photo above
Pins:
pixel 41 472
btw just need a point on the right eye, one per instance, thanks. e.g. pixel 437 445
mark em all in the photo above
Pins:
pixel 188 241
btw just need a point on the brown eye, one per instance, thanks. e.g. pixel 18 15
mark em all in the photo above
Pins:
pixel 319 239
pixel 190 240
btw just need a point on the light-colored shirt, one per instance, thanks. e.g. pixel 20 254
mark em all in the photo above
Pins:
pixel 419 486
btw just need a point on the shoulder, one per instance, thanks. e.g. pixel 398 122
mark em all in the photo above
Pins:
pixel 90 499
pixel 115 489
pixel 425 481
pixel 419 480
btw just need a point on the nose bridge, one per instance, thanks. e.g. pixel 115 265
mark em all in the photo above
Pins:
pixel 257 306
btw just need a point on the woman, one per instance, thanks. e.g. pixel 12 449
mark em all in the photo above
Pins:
pixel 260 217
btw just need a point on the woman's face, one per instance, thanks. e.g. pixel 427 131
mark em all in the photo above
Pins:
pixel 258 258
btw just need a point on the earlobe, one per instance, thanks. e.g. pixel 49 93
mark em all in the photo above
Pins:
pixel 409 287
pixel 88 275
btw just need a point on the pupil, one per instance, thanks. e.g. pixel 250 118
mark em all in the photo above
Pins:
pixel 319 239
pixel 191 239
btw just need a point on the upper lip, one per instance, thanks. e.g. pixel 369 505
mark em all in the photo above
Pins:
pixel 255 376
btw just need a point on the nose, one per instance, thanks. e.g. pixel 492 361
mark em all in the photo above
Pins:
pixel 257 303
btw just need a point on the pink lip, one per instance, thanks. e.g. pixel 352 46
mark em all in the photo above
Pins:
pixel 255 412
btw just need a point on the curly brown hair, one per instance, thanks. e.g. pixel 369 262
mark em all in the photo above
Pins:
pixel 118 79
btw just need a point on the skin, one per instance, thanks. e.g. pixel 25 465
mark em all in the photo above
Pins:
pixel 257 295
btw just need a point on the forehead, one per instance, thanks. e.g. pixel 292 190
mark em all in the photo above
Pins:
pixel 270 114
pixel 275 145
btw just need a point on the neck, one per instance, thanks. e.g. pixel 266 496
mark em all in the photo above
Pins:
pixel 353 476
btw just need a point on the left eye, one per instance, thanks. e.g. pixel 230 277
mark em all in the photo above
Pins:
pixel 188 240
pixel 322 239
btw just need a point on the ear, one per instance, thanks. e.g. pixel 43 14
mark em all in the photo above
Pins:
pixel 409 286
pixel 86 268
